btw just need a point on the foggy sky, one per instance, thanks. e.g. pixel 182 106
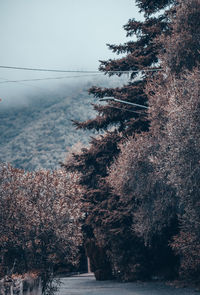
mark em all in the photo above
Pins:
pixel 60 34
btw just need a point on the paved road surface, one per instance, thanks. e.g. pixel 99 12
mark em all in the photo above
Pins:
pixel 87 285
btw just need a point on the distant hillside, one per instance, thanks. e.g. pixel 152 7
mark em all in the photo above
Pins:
pixel 36 135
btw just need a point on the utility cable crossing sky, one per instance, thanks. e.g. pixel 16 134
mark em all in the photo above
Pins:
pixel 77 71
pixel 49 78
pixel 84 73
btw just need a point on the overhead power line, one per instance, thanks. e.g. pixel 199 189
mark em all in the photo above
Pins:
pixel 24 84
pixel 78 71
pixel 49 78
pixel 46 70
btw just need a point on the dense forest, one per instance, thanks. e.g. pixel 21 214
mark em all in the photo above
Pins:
pixel 131 196
pixel 142 176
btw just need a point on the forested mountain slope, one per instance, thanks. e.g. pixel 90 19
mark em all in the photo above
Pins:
pixel 37 134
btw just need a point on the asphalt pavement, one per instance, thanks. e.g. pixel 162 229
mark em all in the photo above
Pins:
pixel 87 285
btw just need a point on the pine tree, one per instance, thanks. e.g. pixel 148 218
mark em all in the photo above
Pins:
pixel 93 162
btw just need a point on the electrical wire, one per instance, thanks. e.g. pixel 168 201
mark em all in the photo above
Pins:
pixel 45 70
pixel 92 73
pixel 25 84
pixel 49 78
pixel 77 71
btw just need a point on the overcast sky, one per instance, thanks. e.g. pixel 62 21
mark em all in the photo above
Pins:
pixel 60 34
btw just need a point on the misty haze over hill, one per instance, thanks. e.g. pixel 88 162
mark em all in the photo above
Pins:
pixel 36 131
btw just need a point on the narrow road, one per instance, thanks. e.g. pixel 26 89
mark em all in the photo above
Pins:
pixel 87 285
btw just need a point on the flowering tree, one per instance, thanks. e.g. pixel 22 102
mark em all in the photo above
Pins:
pixel 182 163
pixel 156 175
pixel 175 103
pixel 40 218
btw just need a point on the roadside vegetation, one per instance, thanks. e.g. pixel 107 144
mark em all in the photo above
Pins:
pixel 40 220
pixel 132 196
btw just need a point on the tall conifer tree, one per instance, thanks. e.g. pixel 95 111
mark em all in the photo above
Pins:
pixel 93 162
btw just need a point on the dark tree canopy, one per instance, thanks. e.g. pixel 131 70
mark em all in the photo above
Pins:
pixel 141 54
pixel 151 6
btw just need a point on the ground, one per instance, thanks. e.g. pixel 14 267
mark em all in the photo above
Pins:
pixel 87 285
